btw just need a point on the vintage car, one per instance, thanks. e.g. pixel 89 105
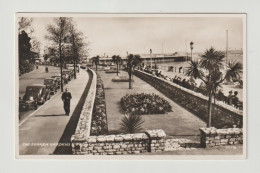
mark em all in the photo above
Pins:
pixel 69 74
pixel 51 85
pixel 57 79
pixel 83 66
pixel 35 94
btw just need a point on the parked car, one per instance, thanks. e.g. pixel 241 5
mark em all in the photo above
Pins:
pixel 69 74
pixel 83 66
pixel 51 84
pixel 35 94
pixel 57 79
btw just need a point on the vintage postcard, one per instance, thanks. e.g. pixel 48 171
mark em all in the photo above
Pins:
pixel 130 86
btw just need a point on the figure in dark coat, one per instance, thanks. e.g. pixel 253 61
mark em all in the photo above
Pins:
pixel 66 96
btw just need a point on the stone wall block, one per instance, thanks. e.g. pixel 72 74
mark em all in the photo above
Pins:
pixel 119 138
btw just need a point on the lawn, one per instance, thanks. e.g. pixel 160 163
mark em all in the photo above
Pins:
pixel 178 122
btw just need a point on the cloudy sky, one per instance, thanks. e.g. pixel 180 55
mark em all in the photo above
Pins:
pixel 117 35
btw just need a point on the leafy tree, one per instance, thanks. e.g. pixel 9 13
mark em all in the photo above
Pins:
pixel 36 46
pixel 132 62
pixel 116 59
pixel 131 123
pixel 95 59
pixel 77 45
pixel 58 33
pixel 210 70
pixel 24 47
pixel 24 23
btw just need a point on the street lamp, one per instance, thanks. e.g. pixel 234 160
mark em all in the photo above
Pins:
pixel 191 47
pixel 151 57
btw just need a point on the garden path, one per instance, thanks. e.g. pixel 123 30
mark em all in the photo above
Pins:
pixel 179 122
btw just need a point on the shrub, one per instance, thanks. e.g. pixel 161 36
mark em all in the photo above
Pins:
pixel 139 104
pixel 99 117
pixel 131 123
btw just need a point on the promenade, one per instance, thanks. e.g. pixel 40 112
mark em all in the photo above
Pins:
pixel 179 122
pixel 48 126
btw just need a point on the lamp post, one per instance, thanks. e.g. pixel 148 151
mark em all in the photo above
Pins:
pixel 191 47
pixel 151 57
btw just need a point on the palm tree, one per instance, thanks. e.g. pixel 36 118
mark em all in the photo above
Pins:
pixel 132 62
pixel 131 123
pixel 234 70
pixel 209 69
pixel 116 59
pixel 95 59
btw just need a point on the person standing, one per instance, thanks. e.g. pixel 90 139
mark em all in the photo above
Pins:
pixel 230 97
pixel 66 97
pixel 235 100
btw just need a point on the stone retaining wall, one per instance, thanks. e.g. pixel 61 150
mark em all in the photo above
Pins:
pixel 211 137
pixel 84 124
pixel 222 115
pixel 150 141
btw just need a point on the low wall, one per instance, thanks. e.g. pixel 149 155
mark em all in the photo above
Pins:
pixel 84 124
pixel 222 115
pixel 150 141
pixel 211 137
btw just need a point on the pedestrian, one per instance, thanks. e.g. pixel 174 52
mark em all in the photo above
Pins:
pixel 235 100
pixel 66 97
pixel 229 98
pixel 180 68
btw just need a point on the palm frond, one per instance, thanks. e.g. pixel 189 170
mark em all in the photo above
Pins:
pixel 212 60
pixel 131 123
pixel 234 69
pixel 193 70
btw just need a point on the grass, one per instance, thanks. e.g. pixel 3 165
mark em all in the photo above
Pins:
pixel 178 122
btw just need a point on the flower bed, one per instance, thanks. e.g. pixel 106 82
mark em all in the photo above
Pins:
pixel 121 79
pixel 99 117
pixel 139 104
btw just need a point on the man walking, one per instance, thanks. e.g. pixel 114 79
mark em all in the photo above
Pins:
pixel 66 96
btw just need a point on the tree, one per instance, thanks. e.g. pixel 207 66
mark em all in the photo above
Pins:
pixel 24 23
pixel 132 62
pixel 36 45
pixel 95 59
pixel 210 70
pixel 116 59
pixel 58 34
pixel 24 47
pixel 77 45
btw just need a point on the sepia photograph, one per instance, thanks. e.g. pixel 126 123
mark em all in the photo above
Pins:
pixel 134 86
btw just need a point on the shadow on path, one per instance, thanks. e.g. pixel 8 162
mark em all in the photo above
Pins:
pixel 53 115
pixel 72 124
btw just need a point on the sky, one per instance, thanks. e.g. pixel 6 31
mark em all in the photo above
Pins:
pixel 137 35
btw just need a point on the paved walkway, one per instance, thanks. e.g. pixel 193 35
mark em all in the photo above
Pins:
pixel 41 132
pixel 179 122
